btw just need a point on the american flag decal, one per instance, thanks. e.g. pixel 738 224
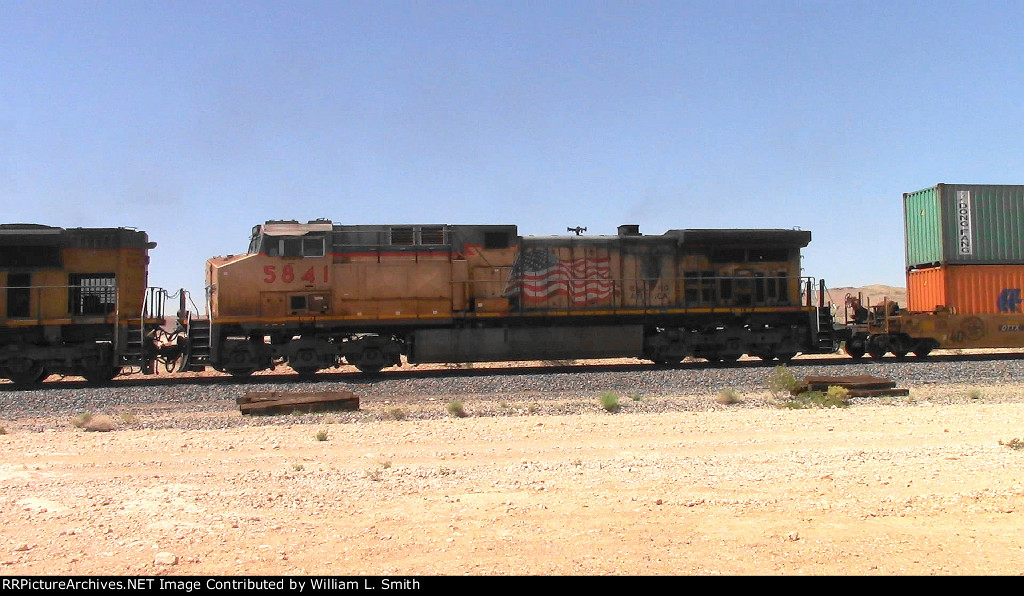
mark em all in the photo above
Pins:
pixel 538 274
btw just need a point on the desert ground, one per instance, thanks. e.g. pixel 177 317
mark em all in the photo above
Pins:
pixel 524 484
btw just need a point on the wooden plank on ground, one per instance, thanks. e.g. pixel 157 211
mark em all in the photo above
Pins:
pixel 278 402
pixel 857 385
pixel 878 392
pixel 850 381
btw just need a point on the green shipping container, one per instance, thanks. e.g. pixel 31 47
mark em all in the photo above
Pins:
pixel 964 224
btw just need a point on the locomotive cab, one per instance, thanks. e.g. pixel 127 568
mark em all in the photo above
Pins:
pixel 291 239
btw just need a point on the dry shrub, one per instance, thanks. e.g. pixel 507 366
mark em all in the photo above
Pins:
pixel 728 397
pixel 100 423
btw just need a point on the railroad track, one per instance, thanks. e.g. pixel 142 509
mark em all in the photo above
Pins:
pixel 406 373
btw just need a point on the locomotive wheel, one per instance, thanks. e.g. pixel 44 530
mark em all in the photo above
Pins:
pixel 304 371
pixel 922 349
pixel 855 348
pixel 370 360
pixel 24 372
pixel 240 362
pixel 304 362
pixel 877 353
pixel 786 357
pixel 241 373
pixel 101 374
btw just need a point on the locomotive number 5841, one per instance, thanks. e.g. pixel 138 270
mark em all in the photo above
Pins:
pixel 288 274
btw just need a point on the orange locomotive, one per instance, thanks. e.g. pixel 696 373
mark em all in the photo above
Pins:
pixel 72 302
pixel 316 295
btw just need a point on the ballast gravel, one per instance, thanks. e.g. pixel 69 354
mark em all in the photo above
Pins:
pixel 536 389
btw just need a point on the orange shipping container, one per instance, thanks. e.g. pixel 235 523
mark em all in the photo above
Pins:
pixel 966 289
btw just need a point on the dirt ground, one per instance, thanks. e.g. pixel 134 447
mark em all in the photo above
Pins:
pixel 890 488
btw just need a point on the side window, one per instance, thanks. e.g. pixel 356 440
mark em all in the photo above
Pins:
pixel 91 293
pixel 301 246
pixel 312 247
pixel 291 247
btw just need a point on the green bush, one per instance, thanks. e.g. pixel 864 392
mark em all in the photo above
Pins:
pixel 455 408
pixel 782 382
pixel 610 401
pixel 834 397
pixel 728 396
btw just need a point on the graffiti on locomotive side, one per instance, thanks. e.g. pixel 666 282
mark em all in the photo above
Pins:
pixel 1009 300
pixel 288 274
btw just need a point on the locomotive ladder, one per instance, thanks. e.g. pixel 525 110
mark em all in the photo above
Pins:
pixel 828 340
pixel 198 355
pixel 197 329
pixel 133 351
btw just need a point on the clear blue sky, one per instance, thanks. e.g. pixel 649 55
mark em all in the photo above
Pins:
pixel 196 120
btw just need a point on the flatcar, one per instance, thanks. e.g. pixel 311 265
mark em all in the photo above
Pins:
pixel 73 302
pixel 965 273
pixel 316 295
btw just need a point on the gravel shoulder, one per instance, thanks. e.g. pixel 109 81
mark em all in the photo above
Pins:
pixel 537 479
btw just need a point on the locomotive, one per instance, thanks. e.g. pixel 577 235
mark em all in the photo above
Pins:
pixel 74 302
pixel 317 295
